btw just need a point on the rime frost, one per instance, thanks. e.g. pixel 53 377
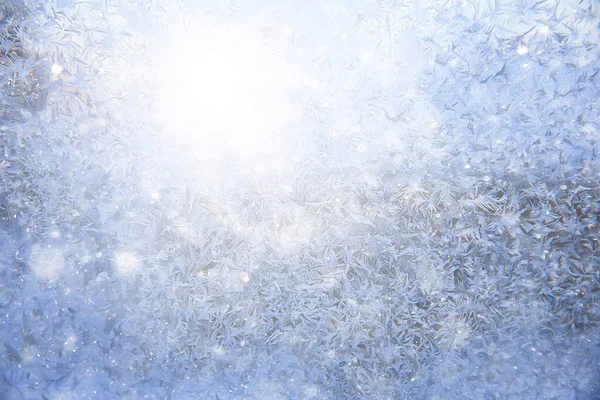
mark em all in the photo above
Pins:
pixel 299 200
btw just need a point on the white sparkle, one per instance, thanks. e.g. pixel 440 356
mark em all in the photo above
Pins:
pixel 46 263
pixel 56 69
pixel 522 50
pixel 244 277
pixel 126 262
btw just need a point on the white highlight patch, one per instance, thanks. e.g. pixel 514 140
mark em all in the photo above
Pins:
pixel 522 50
pixel 223 93
pixel 46 263
pixel 126 262
pixel 56 69
pixel 70 343
pixel 219 351
pixel 244 277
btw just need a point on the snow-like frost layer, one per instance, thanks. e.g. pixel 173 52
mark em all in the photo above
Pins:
pixel 299 200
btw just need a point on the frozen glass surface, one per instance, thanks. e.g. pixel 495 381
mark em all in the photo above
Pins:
pixel 346 199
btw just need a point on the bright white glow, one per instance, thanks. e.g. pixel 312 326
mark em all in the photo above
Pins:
pixel 70 343
pixel 222 93
pixel 126 262
pixel 244 277
pixel 367 57
pixel 46 263
pixel 56 69
pixel 522 50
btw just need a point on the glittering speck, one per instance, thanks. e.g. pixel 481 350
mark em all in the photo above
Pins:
pixel 56 69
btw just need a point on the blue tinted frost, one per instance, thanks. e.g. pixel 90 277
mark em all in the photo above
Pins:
pixel 299 200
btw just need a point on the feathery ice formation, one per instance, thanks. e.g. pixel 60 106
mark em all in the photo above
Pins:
pixel 299 199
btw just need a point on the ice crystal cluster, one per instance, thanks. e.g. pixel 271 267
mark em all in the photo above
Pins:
pixel 346 199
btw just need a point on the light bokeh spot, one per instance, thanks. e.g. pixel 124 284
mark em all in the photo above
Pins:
pixel 46 262
pixel 126 262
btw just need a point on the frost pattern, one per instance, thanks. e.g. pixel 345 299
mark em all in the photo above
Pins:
pixel 405 207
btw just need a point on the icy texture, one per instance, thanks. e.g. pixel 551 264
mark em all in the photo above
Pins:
pixel 405 207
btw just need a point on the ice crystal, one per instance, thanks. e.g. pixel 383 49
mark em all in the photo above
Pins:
pixel 299 200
